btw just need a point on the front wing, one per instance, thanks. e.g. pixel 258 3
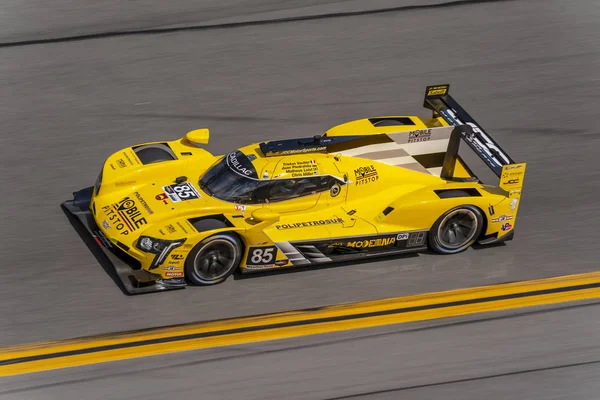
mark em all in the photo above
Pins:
pixel 131 279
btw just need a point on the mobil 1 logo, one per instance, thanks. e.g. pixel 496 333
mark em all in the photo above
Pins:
pixel 261 256
pixel 181 192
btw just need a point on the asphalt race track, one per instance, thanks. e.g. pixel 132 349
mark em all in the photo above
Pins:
pixel 528 71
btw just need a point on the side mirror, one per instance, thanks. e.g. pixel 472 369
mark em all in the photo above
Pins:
pixel 265 214
pixel 198 136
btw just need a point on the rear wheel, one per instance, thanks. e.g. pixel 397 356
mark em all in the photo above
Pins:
pixel 213 260
pixel 456 230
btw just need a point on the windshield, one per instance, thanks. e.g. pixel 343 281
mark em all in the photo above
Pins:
pixel 234 179
pixel 225 183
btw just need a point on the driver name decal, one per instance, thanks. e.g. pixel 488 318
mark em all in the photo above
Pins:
pixel 300 168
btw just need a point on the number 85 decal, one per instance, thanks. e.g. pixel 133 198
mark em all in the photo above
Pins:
pixel 261 255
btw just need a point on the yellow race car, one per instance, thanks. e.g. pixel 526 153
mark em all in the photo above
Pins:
pixel 170 213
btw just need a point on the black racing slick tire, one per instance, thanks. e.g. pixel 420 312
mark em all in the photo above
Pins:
pixel 213 260
pixel 456 230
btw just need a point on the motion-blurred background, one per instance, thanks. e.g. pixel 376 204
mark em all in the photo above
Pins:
pixel 74 88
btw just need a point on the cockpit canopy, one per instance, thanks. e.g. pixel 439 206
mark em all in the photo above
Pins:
pixel 234 179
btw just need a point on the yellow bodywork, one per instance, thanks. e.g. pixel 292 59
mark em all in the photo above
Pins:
pixel 131 200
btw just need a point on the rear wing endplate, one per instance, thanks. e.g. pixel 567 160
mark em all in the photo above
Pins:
pixel 442 104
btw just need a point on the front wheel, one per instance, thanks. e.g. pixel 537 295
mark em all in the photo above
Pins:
pixel 456 230
pixel 212 260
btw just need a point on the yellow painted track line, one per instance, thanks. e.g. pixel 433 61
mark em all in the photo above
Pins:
pixel 88 350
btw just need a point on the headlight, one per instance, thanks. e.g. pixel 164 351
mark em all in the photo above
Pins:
pixel 160 247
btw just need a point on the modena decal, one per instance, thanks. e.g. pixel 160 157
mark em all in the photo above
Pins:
pixel 365 175
pixel 363 244
pixel 310 223
pixel 420 135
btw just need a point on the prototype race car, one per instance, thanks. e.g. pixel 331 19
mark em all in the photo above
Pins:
pixel 170 213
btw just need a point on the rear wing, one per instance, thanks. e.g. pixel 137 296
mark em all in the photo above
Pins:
pixel 442 104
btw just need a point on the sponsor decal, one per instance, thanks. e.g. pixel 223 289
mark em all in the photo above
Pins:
pixel 182 228
pixel 281 263
pixel 177 256
pixel 503 218
pixel 240 163
pixel 171 228
pixel 240 207
pixel 130 213
pixel 507 226
pixel 125 216
pixel 174 274
pixel 516 174
pixel 127 157
pixel 310 223
pixel 420 135
pixel 363 244
pixel 437 90
pixel 366 174
pixel 482 142
pixel 102 240
pixel 402 236
pixel 188 246
pixel 125 183
pixel 162 197
pixel 511 182
pixel 303 150
pixel 112 166
pixel 513 203
pixel 161 232
pixel 265 266
pixel 171 268
pixel 143 203
pixel 121 163
pixel 512 166
pixel 105 224
pixel 300 168
pixel 181 191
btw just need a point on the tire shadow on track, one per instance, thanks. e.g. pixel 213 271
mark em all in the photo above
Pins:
pixel 238 275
